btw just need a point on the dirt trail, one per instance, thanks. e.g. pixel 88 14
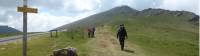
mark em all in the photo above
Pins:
pixel 106 44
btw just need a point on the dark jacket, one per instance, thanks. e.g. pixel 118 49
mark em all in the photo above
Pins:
pixel 121 32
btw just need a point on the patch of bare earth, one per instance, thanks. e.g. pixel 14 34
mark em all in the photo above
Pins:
pixel 106 44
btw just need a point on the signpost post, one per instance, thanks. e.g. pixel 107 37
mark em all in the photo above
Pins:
pixel 25 10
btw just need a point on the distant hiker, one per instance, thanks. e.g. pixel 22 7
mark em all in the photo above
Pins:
pixel 93 31
pixel 89 32
pixel 122 35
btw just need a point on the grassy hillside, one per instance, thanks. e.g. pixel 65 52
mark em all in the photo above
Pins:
pixel 153 33
pixel 100 18
pixel 9 34
pixel 43 45
pixel 15 34
pixel 8 30
pixel 161 35
pixel 126 11
pixel 158 32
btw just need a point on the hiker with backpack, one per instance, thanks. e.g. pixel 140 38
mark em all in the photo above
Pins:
pixel 93 31
pixel 122 35
pixel 89 30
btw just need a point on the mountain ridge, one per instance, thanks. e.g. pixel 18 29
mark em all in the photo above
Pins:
pixel 109 15
pixel 7 29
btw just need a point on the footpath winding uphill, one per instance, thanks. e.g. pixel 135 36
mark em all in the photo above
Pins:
pixel 106 44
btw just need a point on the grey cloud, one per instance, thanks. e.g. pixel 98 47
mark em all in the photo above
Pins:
pixel 71 10
pixel 49 4
pixel 9 3
pixel 143 4
pixel 5 17
pixel 107 4
pixel 8 8
pixel 56 7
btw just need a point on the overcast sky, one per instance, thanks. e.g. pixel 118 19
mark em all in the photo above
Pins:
pixel 55 13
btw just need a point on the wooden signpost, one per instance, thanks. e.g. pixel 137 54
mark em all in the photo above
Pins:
pixel 25 10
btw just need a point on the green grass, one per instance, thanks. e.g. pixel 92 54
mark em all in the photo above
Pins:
pixel 10 34
pixel 14 34
pixel 156 35
pixel 44 45
pixel 161 35
pixel 3 35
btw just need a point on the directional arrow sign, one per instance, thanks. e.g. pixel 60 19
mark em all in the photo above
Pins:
pixel 28 10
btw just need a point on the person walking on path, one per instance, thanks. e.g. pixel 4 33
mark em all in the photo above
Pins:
pixel 122 35
pixel 93 31
pixel 89 32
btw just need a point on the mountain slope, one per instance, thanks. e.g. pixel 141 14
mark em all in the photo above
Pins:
pixel 7 29
pixel 125 11
pixel 101 18
pixel 158 32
